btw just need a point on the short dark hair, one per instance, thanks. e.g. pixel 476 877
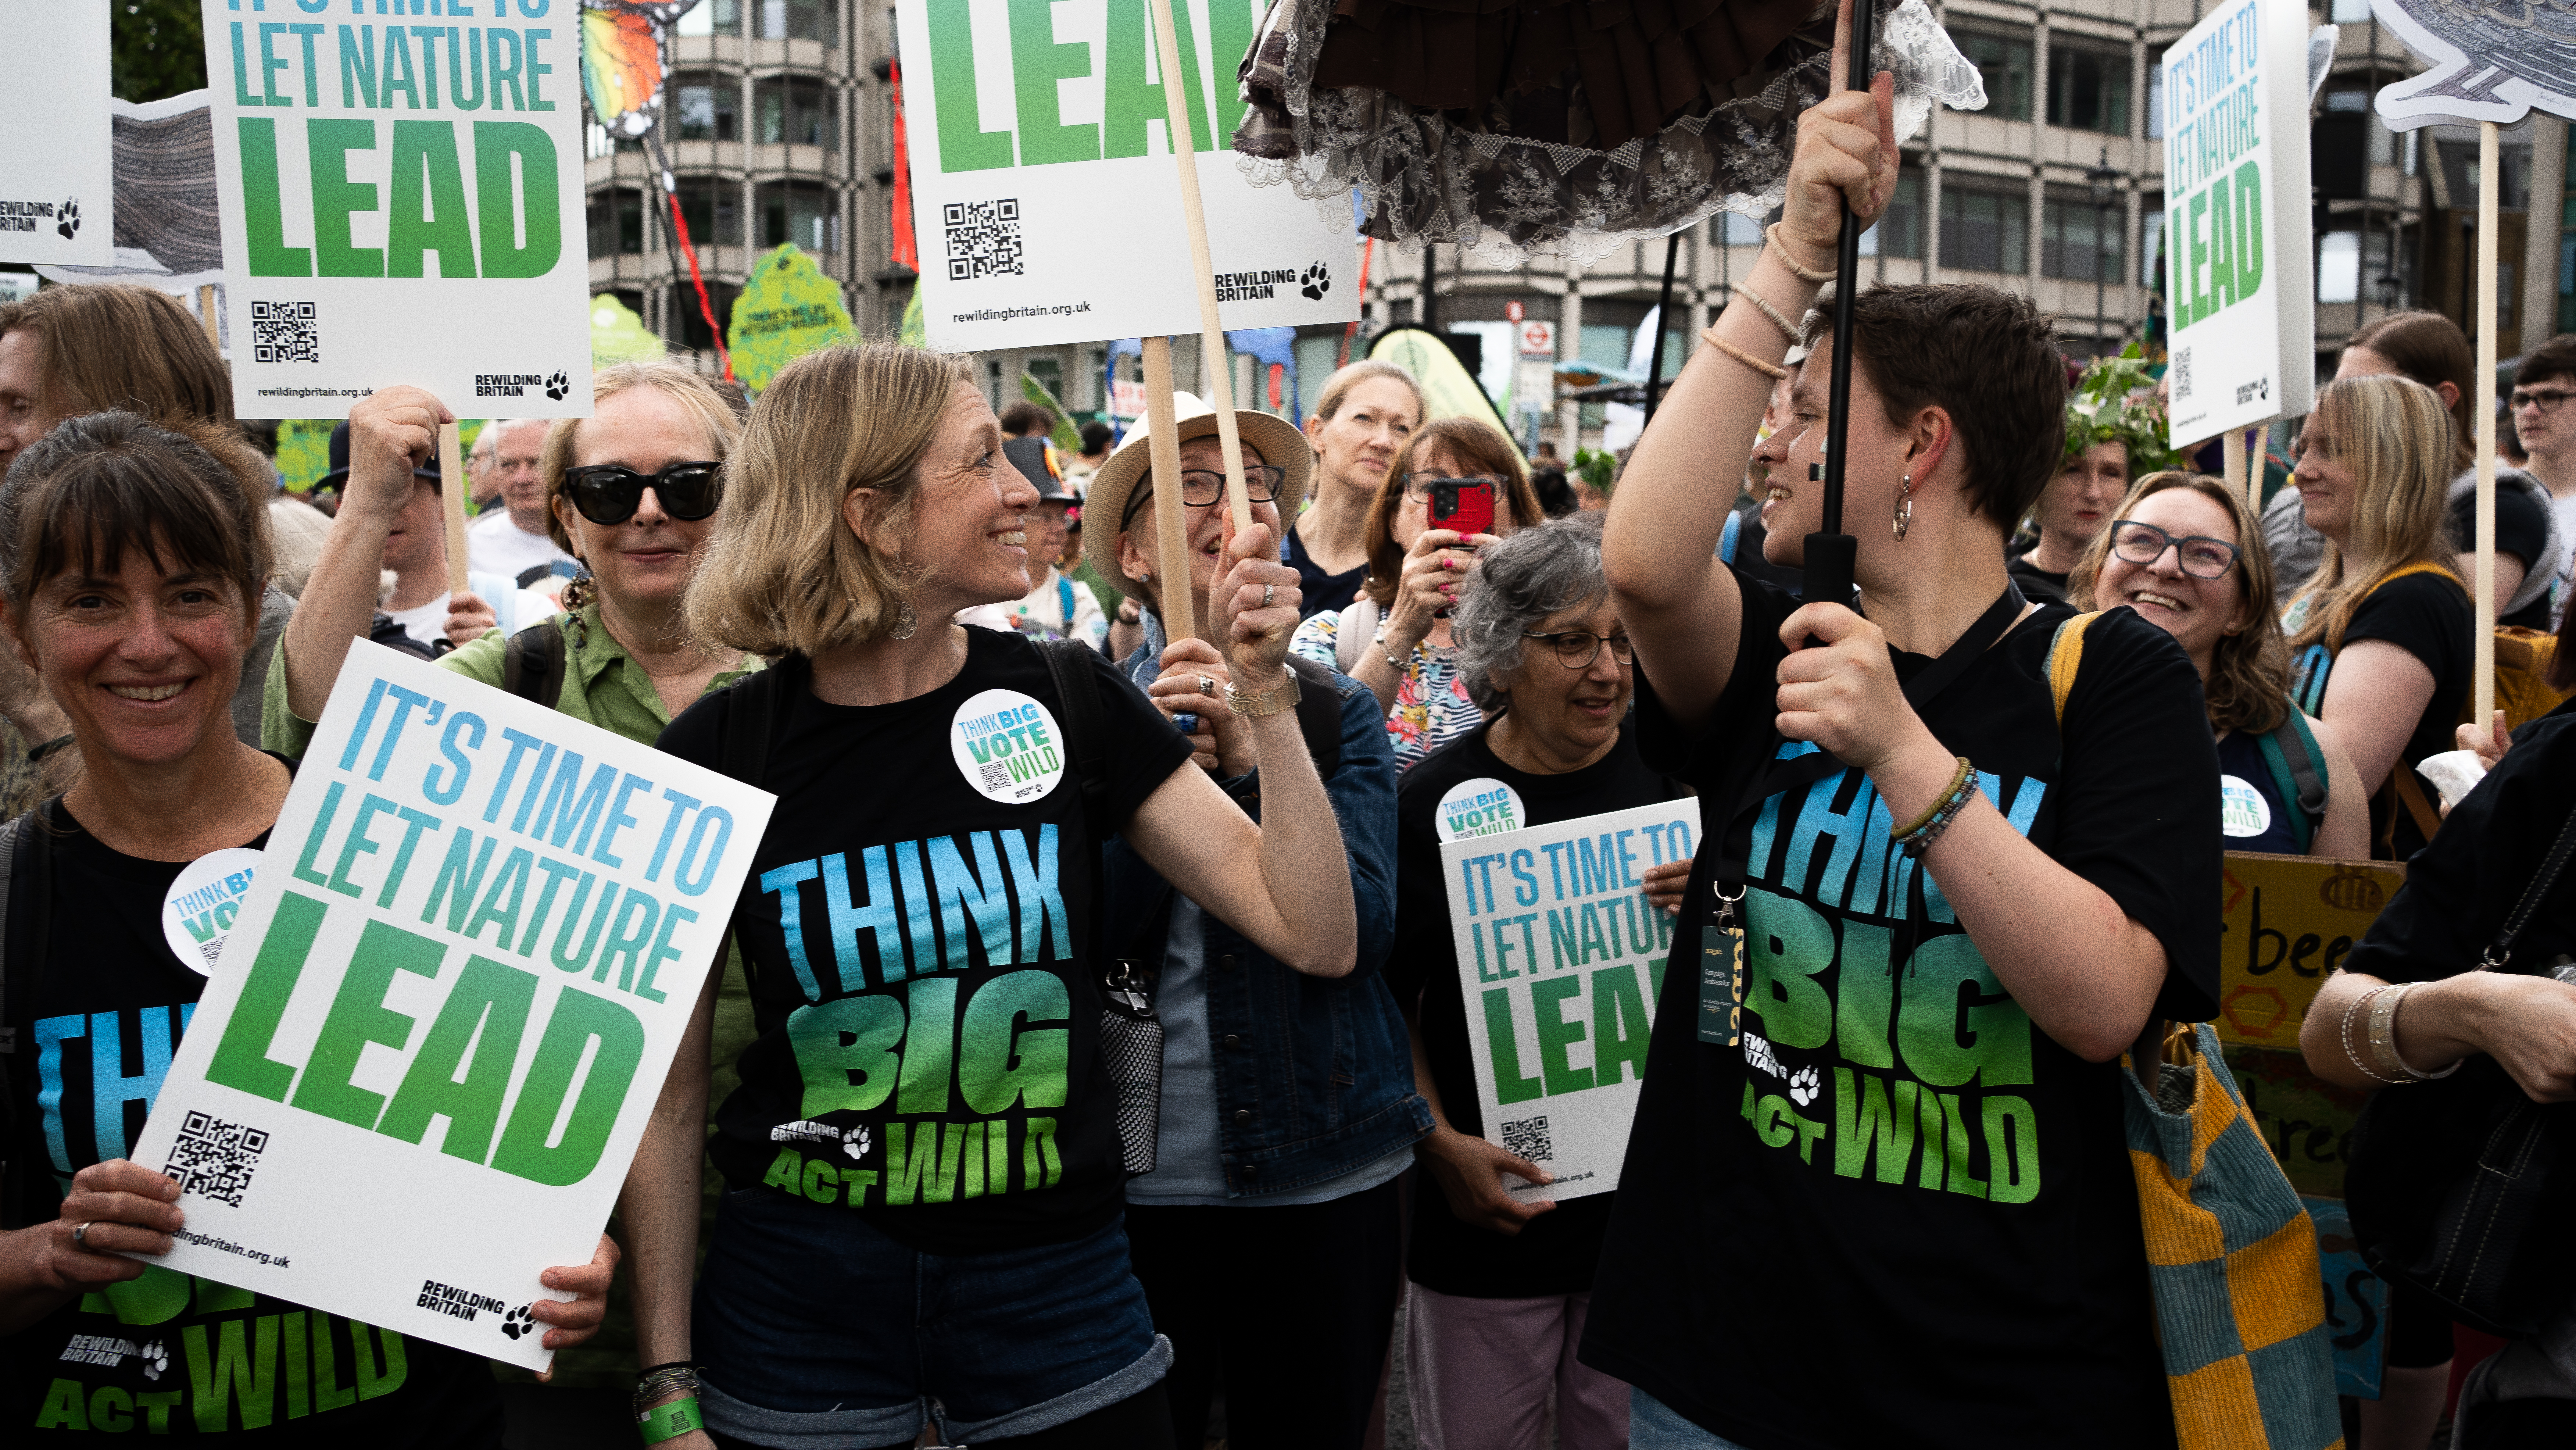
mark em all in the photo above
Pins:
pixel 1987 357
pixel 113 345
pixel 1096 436
pixel 2555 358
pixel 1021 419
pixel 2431 349
pixel 191 495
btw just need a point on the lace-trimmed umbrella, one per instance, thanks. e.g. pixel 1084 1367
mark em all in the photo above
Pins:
pixel 1514 129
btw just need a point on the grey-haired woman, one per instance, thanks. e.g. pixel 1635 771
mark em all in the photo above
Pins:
pixel 1500 1288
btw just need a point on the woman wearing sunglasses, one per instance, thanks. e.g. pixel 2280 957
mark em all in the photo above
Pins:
pixel 1395 637
pixel 631 491
pixel 2176 553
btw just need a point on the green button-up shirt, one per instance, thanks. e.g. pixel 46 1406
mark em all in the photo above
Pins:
pixel 602 686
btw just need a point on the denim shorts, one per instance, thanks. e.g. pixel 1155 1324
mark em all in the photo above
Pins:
pixel 813 1329
pixel 1654 1425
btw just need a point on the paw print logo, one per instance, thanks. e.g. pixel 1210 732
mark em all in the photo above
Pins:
pixel 520 1321
pixel 156 1360
pixel 1317 281
pixel 69 226
pixel 558 385
pixel 1804 1086
pixel 856 1145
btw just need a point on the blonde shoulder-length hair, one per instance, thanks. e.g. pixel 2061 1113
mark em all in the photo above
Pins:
pixel 2394 436
pixel 783 572
pixel 2249 673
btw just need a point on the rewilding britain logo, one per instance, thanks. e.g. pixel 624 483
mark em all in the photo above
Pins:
pixel 516 385
pixel 1311 283
pixel 469 1306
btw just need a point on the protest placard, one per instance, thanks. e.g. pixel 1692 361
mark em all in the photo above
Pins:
pixel 2237 264
pixel 1044 192
pixel 425 1056
pixel 401 203
pixel 787 309
pixel 56 175
pixel 2287 922
pixel 1561 960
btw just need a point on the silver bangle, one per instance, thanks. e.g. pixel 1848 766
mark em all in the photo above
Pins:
pixel 1782 323
pixel 2383 1037
pixel 2359 1004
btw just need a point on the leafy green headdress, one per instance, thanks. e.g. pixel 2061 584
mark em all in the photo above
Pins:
pixel 2114 402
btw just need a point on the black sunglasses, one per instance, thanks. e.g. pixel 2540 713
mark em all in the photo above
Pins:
pixel 609 493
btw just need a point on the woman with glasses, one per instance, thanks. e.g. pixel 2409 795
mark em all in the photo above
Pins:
pixel 1282 1092
pixel 1395 637
pixel 2176 552
pixel 1499 1288
pixel 2380 645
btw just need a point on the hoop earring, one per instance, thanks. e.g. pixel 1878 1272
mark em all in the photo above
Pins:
pixel 906 620
pixel 1904 518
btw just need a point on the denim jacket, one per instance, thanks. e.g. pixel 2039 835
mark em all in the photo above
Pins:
pixel 1314 1075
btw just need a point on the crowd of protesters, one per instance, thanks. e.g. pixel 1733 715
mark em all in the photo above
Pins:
pixel 801 593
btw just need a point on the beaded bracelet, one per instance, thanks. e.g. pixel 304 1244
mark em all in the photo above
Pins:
pixel 1773 371
pixel 1748 294
pixel 1918 837
pixel 1771 235
pixel 659 1380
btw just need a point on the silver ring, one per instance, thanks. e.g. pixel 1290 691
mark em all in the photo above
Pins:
pixel 1268 591
pixel 1207 686
pixel 80 1235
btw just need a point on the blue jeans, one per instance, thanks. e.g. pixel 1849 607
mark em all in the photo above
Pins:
pixel 1654 1425
pixel 813 1329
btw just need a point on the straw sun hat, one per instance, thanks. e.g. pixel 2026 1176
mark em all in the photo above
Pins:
pixel 1274 438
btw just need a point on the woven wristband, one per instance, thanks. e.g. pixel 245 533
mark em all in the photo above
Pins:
pixel 669 1421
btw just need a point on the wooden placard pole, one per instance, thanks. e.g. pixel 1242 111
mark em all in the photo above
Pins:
pixel 206 315
pixel 452 488
pixel 2482 595
pixel 2231 454
pixel 1176 106
pixel 1171 518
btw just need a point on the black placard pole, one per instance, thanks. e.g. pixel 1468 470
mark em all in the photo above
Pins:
pixel 1830 551
pixel 1663 325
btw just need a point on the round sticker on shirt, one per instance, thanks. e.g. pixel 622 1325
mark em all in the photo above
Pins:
pixel 1007 746
pixel 198 914
pixel 1480 807
pixel 2242 811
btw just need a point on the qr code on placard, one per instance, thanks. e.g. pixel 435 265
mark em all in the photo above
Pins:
pixel 997 776
pixel 984 239
pixel 285 332
pixel 2181 373
pixel 215 1158
pixel 1529 1139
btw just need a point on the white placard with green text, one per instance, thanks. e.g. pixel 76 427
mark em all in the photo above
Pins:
pixel 1043 187
pixel 425 1057
pixel 56 172
pixel 1560 961
pixel 402 203
pixel 2239 279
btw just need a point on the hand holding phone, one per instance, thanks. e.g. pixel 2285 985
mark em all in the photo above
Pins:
pixel 1464 505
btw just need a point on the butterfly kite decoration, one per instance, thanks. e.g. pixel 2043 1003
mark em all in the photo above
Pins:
pixel 625 59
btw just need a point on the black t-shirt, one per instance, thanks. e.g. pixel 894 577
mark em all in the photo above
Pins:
pixel 2428 616
pixel 170 1354
pixel 1318 591
pixel 1555 1252
pixel 2463 885
pixel 1897 1214
pixel 928 864
pixel 2037 584
pixel 2522 530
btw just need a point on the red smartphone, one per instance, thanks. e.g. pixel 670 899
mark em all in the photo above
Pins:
pixel 1463 504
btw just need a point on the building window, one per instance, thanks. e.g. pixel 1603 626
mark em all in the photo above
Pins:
pixel 2088 86
pixel 714 17
pixel 800 111
pixel 2151 235
pixel 2339 267
pixel 1741 230
pixel 2002 54
pixel 616 222
pixel 1900 227
pixel 2156 94
pixel 680 306
pixel 1088 382
pixel 1983 229
pixel 802 212
pixel 709 108
pixel 1049 371
pixel 2349 12
pixel 2068 244
pixel 800 20
pixel 713 210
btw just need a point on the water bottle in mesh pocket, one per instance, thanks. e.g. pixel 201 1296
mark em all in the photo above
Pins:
pixel 1131 1044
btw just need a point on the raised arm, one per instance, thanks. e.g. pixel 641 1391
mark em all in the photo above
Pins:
pixel 388 433
pixel 1659 545
pixel 1283 883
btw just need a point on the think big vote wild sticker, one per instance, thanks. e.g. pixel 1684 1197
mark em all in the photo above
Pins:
pixel 1007 747
pixel 1480 807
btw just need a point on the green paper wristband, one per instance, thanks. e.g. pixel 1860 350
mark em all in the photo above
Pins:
pixel 669 1421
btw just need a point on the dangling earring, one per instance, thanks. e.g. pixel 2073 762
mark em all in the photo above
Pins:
pixel 906 620
pixel 1904 509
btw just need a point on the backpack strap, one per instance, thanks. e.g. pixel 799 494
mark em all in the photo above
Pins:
pixel 2277 748
pixel 534 662
pixel 1068 662
pixel 2065 657
pixel 2306 762
pixel 1353 633
pixel 1064 601
pixel 1729 536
